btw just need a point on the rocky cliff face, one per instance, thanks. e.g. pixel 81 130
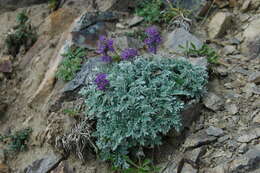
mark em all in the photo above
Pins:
pixel 222 134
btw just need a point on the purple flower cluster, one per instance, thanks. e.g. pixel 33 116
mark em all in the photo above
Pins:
pixel 129 53
pixel 105 45
pixel 101 81
pixel 153 39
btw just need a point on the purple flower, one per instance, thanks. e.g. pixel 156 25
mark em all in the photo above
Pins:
pixel 101 81
pixel 129 53
pixel 105 45
pixel 106 59
pixel 153 39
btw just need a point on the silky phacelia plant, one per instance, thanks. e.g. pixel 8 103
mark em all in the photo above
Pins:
pixel 144 101
pixel 153 39
pixel 101 81
pixel 105 46
pixel 129 54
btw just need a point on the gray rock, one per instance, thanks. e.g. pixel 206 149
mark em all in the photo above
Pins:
pixel 195 154
pixel 255 171
pixel 63 168
pixel 90 18
pixel 256 105
pixel 256 90
pixel 201 61
pixel 98 5
pixel 80 5
pixel 114 5
pixel 256 118
pixel 3 109
pixel 171 168
pixel 255 4
pixel 13 4
pixel 187 168
pixel 243 148
pixel 254 48
pixel 249 89
pixel 223 71
pixel 245 5
pixel 222 168
pixel 244 18
pixel 213 102
pixel 85 76
pixel 241 70
pixel 234 41
pixel 134 21
pixel 219 24
pixel 228 86
pixel 231 94
pixel 174 164
pixel 254 77
pixel 6 64
pixel 214 131
pixel 232 145
pixel 124 42
pixel 181 37
pixel 251 38
pixel 223 138
pixel 44 165
pixel 229 50
pixel 231 108
pixel 247 162
pixel 191 113
pixel 121 26
pixel 2 156
pixel 89 26
pixel 221 155
pixel 249 135
pixel 198 139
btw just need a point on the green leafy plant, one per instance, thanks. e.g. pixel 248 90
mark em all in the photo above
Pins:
pixel 22 18
pixel 155 11
pixel 145 166
pixel 71 112
pixel 116 57
pixel 71 63
pixel 23 34
pixel 204 51
pixel 143 101
pixel 53 4
pixel 150 10
pixel 18 141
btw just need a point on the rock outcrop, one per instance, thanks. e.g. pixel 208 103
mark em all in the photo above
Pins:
pixel 219 24
pixel 6 5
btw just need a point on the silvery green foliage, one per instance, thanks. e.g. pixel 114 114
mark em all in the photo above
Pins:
pixel 143 102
